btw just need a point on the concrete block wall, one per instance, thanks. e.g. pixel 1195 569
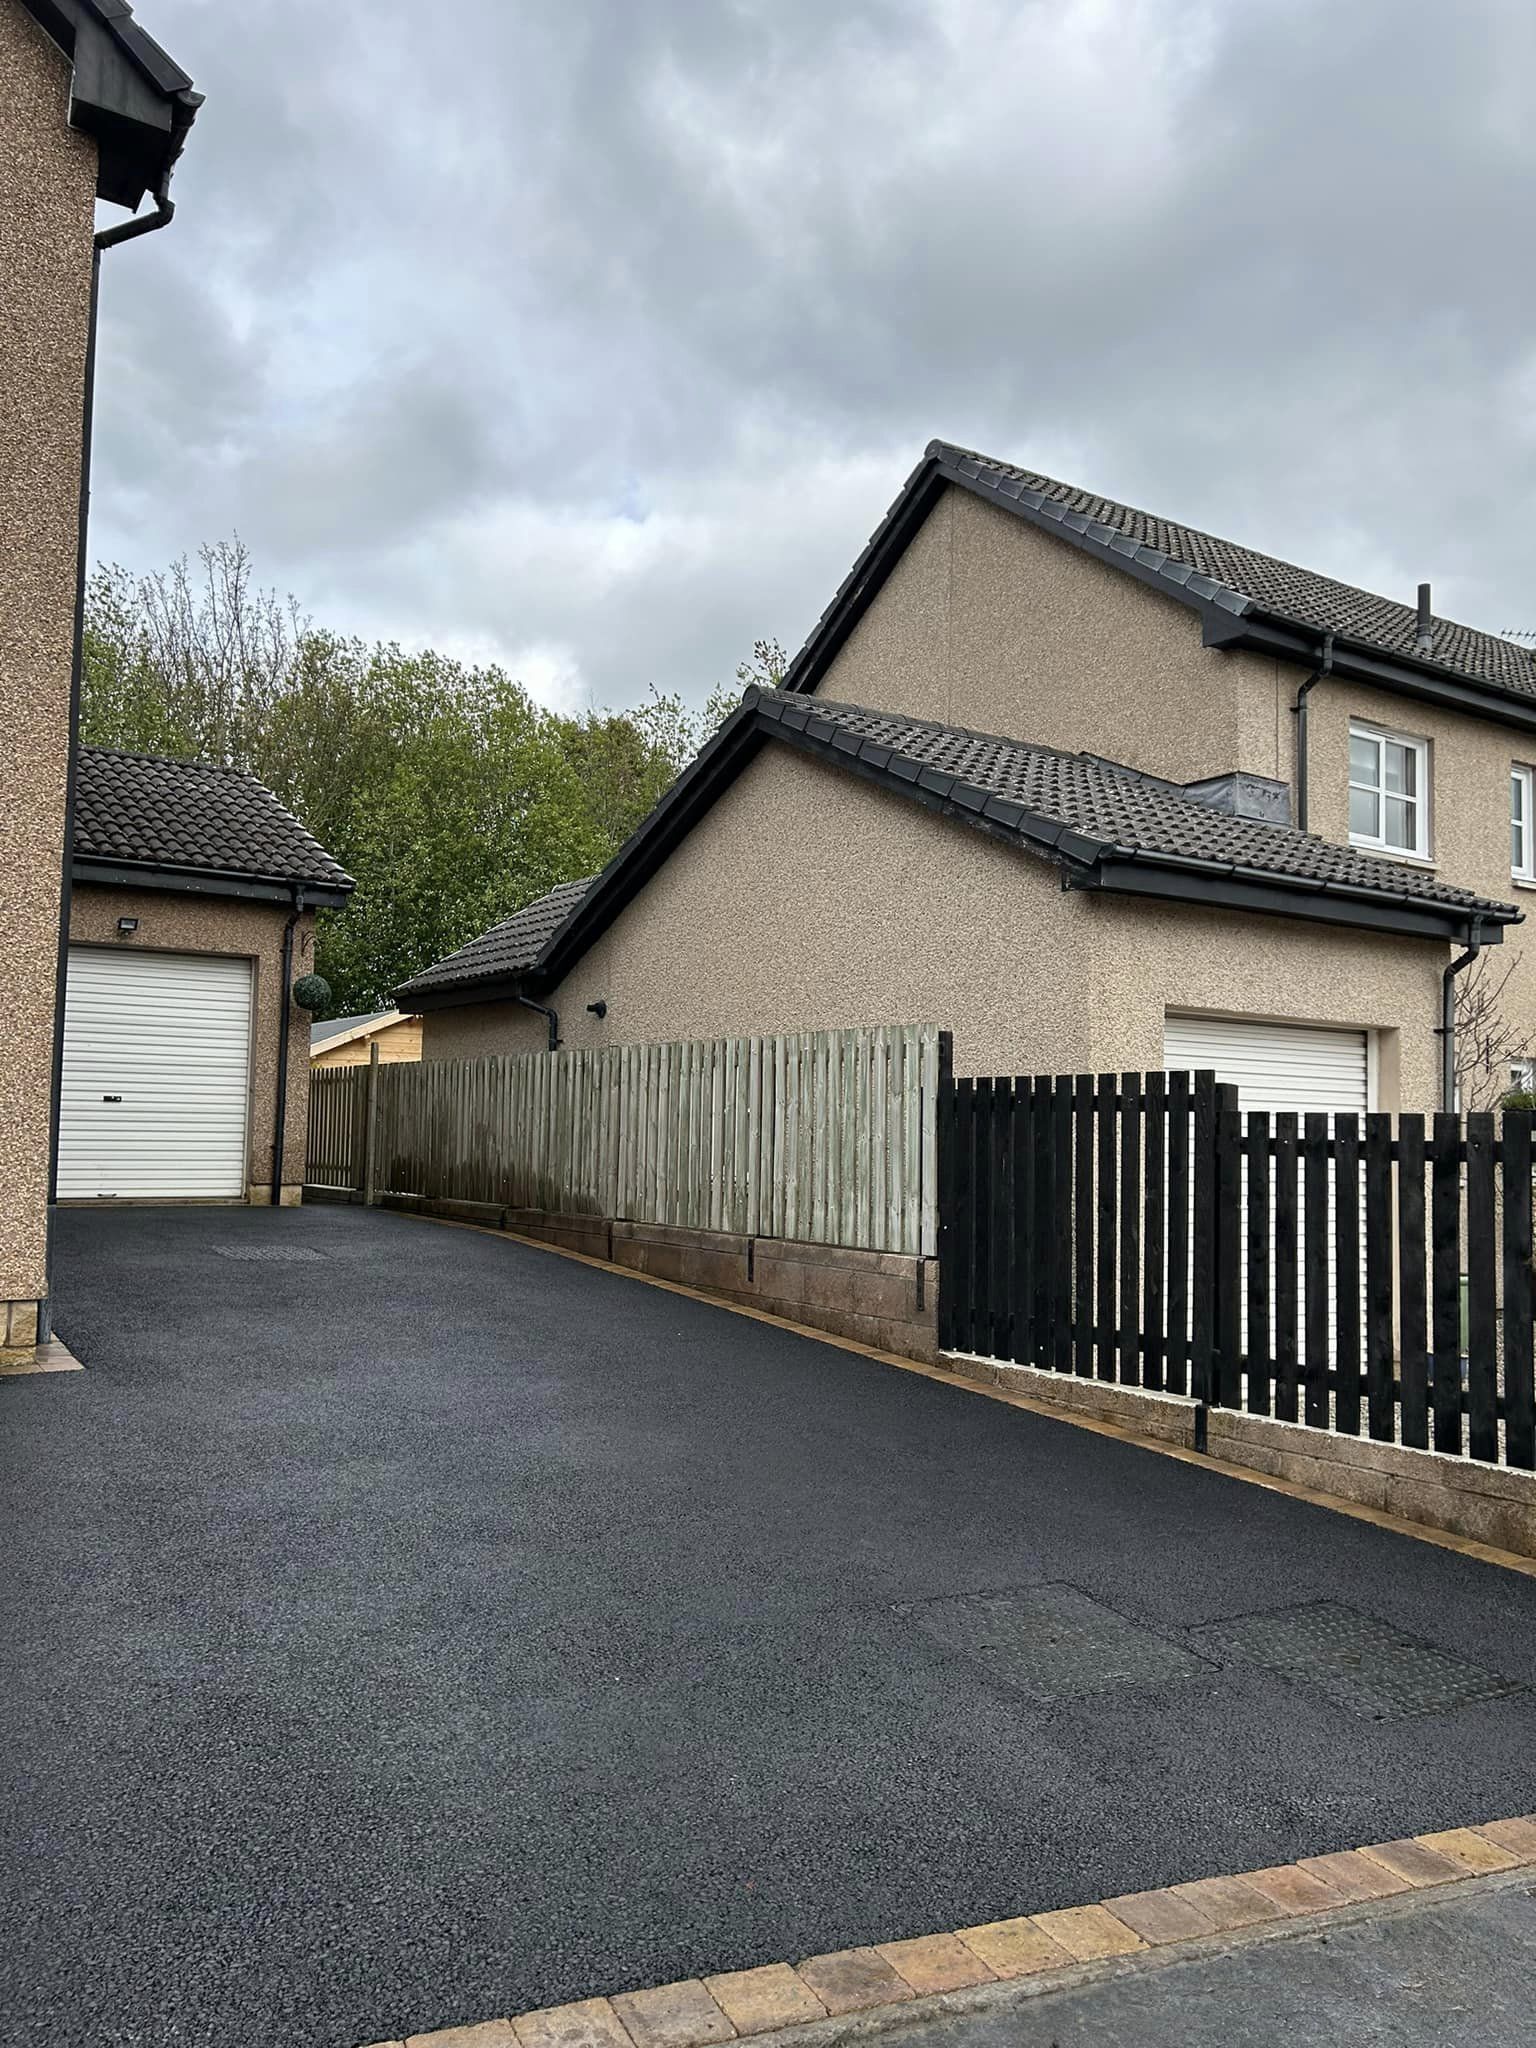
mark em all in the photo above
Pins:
pixel 882 1299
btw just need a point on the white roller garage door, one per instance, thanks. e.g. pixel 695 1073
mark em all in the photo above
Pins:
pixel 157 1055
pixel 1275 1066
pixel 1298 1067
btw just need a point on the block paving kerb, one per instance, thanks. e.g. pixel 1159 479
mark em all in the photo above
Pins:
pixel 739 2003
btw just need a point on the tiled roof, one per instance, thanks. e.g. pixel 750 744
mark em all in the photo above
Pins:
pixel 1279 589
pixel 1105 810
pixel 190 815
pixel 507 948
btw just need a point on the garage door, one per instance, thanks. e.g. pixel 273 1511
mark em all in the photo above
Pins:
pixel 1299 1067
pixel 157 1054
pixel 1275 1066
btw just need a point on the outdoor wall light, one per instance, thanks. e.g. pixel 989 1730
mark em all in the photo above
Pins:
pixel 598 1009
pixel 126 925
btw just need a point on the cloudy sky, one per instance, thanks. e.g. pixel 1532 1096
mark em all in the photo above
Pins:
pixel 594 336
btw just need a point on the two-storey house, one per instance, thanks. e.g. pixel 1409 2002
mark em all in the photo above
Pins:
pixel 1094 789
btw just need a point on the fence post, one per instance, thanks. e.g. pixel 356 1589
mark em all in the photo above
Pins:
pixel 1203 1278
pixel 948 1193
pixel 371 1127
pixel 1227 1378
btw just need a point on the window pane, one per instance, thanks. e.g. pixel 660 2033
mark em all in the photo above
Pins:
pixel 1517 797
pixel 1364 814
pixel 1402 765
pixel 1517 846
pixel 1401 823
pixel 1363 763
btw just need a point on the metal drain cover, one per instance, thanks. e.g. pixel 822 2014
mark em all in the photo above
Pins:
pixel 1362 1664
pixel 275 1254
pixel 1052 1641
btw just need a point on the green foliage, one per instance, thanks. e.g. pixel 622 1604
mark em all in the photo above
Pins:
pixel 449 795
pixel 1518 1098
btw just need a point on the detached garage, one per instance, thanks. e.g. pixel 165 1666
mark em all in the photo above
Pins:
pixel 191 917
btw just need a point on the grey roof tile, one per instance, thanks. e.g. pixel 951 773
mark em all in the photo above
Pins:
pixel 507 948
pixel 146 809
pixel 1137 815
pixel 1222 569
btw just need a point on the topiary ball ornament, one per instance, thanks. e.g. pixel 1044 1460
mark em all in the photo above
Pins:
pixel 311 991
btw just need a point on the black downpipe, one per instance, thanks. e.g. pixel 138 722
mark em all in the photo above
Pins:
pixel 285 1020
pixel 109 238
pixel 551 1017
pixel 1447 1031
pixel 1299 711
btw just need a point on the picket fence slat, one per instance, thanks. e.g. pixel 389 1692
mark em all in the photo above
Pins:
pixel 1142 1229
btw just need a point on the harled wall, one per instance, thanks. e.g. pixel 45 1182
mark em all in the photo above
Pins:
pixel 47 201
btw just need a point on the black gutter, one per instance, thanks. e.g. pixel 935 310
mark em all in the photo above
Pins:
pixel 142 224
pixel 1299 712
pixel 91 870
pixel 1446 1030
pixel 1262 634
pixel 551 1018
pixel 1318 905
pixel 285 1021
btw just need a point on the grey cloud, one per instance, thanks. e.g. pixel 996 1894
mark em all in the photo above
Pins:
pixel 609 331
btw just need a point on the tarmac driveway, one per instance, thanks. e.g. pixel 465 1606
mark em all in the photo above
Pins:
pixel 402 1626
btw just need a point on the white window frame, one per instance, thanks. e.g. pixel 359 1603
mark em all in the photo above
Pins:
pixel 1522 779
pixel 1361 730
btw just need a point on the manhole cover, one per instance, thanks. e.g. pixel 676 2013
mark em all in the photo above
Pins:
pixel 1052 1641
pixel 1364 1665
pixel 276 1254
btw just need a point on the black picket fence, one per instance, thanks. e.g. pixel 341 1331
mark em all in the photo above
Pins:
pixel 1332 1270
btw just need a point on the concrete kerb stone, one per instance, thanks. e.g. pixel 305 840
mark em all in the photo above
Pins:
pixel 972 1968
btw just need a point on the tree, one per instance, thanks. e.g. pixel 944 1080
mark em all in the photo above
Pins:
pixel 1488 1045
pixel 449 795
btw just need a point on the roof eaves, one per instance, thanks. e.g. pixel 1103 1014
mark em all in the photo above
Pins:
pixel 1274 895
pixel 1273 632
pixel 125 92
pixel 109 871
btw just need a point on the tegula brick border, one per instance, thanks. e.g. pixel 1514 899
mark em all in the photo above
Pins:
pixel 1044 1947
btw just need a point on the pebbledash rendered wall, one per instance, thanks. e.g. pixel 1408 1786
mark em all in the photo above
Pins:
pixel 47 201
pixel 806 900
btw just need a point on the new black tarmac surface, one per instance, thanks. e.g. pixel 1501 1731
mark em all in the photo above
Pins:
pixel 402 1626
